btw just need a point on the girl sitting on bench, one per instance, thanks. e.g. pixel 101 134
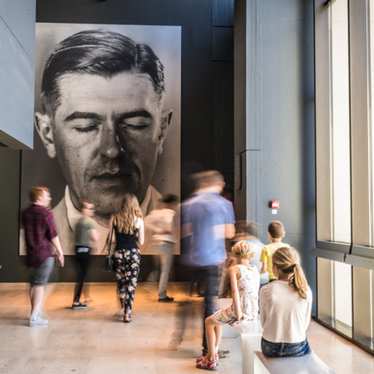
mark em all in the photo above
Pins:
pixel 245 283
pixel 285 307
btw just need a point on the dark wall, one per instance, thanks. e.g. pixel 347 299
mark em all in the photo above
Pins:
pixel 12 268
pixel 207 98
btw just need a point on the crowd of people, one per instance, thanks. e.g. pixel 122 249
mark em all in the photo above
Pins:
pixel 266 282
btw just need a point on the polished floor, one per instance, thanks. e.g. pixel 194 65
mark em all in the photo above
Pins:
pixel 162 339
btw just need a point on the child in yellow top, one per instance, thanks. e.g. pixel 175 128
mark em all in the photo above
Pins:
pixel 276 233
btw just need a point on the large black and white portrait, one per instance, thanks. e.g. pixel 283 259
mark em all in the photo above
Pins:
pixel 107 120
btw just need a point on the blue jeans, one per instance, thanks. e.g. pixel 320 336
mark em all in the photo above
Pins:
pixel 209 276
pixel 270 349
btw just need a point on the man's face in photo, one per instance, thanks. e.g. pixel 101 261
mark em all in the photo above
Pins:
pixel 106 133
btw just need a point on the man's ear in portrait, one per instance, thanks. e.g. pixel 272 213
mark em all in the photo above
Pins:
pixel 43 125
pixel 166 119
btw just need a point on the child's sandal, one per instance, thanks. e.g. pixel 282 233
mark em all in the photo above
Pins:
pixel 202 357
pixel 207 364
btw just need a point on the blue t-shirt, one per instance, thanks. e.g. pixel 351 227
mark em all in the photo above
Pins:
pixel 202 214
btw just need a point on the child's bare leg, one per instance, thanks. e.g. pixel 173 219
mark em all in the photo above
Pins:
pixel 210 325
pixel 218 332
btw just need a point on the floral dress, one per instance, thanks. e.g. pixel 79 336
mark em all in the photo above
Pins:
pixel 248 286
pixel 126 266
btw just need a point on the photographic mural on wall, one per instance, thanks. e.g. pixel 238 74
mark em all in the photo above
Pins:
pixel 107 120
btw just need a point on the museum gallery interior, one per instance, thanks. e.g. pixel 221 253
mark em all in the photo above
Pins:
pixel 186 186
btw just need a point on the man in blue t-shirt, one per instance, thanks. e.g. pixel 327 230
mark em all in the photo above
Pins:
pixel 207 220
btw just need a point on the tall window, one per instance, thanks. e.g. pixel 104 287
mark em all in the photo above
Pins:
pixel 371 118
pixel 333 126
pixel 339 123
pixel 344 46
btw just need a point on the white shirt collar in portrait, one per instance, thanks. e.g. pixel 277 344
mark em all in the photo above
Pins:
pixel 66 216
pixel 74 214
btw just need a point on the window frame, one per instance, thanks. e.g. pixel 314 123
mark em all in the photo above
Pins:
pixel 359 253
pixel 358 250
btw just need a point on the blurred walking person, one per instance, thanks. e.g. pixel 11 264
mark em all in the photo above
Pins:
pixel 86 237
pixel 207 220
pixel 42 245
pixel 163 223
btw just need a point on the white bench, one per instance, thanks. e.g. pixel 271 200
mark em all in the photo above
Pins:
pixel 308 364
pixel 250 340
pixel 254 362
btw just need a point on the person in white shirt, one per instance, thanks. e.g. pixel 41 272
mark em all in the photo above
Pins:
pixel 162 222
pixel 285 307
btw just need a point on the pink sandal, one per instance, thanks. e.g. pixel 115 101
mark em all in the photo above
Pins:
pixel 203 357
pixel 207 364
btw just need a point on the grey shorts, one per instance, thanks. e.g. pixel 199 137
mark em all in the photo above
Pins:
pixel 40 275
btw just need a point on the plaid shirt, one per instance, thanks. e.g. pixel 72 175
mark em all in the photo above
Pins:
pixel 40 229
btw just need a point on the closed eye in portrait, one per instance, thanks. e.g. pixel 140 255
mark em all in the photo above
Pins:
pixel 83 128
pixel 84 122
pixel 136 120
pixel 134 124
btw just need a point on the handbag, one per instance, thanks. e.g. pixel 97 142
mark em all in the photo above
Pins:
pixel 108 247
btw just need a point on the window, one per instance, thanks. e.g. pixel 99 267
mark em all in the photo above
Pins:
pixel 363 287
pixel 339 123
pixel 344 50
pixel 333 126
pixel 335 295
pixel 371 119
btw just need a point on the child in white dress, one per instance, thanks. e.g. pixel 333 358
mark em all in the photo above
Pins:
pixel 245 284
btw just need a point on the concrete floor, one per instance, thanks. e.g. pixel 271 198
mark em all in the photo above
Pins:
pixel 162 339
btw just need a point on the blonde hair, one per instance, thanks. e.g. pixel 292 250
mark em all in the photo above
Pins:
pixel 242 249
pixel 287 261
pixel 124 220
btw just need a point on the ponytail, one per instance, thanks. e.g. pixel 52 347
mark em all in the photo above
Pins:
pixel 286 261
pixel 298 281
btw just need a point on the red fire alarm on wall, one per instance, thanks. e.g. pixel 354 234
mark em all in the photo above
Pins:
pixel 274 206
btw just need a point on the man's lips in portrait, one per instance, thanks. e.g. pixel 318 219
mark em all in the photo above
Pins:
pixel 116 178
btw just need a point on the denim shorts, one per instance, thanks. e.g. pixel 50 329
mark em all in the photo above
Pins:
pixel 40 275
pixel 270 349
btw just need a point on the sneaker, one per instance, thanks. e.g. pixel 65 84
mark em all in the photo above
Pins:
pixel 38 321
pixel 166 299
pixel 77 306
pixel 223 353
pixel 119 315
pixel 127 317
